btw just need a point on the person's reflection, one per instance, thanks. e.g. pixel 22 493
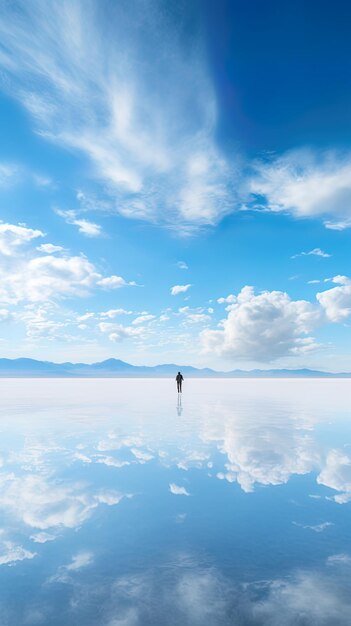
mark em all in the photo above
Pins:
pixel 179 405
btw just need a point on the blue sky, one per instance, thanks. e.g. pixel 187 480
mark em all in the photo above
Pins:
pixel 175 182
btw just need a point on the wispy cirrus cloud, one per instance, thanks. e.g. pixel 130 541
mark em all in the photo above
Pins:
pixel 317 528
pixel 146 122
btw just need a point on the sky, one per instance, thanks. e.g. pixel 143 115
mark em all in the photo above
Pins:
pixel 175 182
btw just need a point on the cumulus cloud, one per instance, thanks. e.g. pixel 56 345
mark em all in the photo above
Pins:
pixel 252 457
pixel 115 107
pixel 49 276
pixel 178 490
pixel 337 301
pixel 314 252
pixel 177 289
pixel 43 504
pixel 336 474
pixel 306 184
pixel 264 327
pixel 12 236
pixel 227 300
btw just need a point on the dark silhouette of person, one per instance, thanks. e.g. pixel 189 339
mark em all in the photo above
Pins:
pixel 179 379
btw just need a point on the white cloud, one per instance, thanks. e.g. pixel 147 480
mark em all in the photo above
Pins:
pixel 42 537
pixel 197 318
pixel 118 332
pixel 49 248
pixel 307 184
pixel 5 315
pixel 314 252
pixel 49 276
pixel 90 229
pixel 11 554
pixel 317 528
pixel 339 559
pixel 114 282
pixel 307 598
pixel 44 504
pixel 177 490
pixel 194 315
pixel 110 461
pixel 337 301
pixel 264 327
pixel 177 289
pixel 44 277
pixel 113 108
pixel 228 300
pixel 7 172
pixel 336 474
pixel 80 560
pixel 12 236
pixel 250 457
pixel 85 317
pixel 338 225
pixel 114 312
pixel 182 265
pixel 141 455
pixel 195 596
pixel 141 319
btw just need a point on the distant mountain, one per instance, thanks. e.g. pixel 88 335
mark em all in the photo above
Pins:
pixel 115 368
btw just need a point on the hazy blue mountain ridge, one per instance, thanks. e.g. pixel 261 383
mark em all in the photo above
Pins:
pixel 23 367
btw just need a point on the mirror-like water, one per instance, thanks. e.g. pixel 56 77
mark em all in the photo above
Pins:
pixel 124 506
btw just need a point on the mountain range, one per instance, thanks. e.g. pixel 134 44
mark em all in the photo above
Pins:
pixel 115 368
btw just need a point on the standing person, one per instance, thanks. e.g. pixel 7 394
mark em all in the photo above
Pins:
pixel 179 379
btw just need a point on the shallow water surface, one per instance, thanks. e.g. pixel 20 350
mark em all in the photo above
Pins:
pixel 122 505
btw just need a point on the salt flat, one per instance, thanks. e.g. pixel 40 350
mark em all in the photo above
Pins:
pixel 124 504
